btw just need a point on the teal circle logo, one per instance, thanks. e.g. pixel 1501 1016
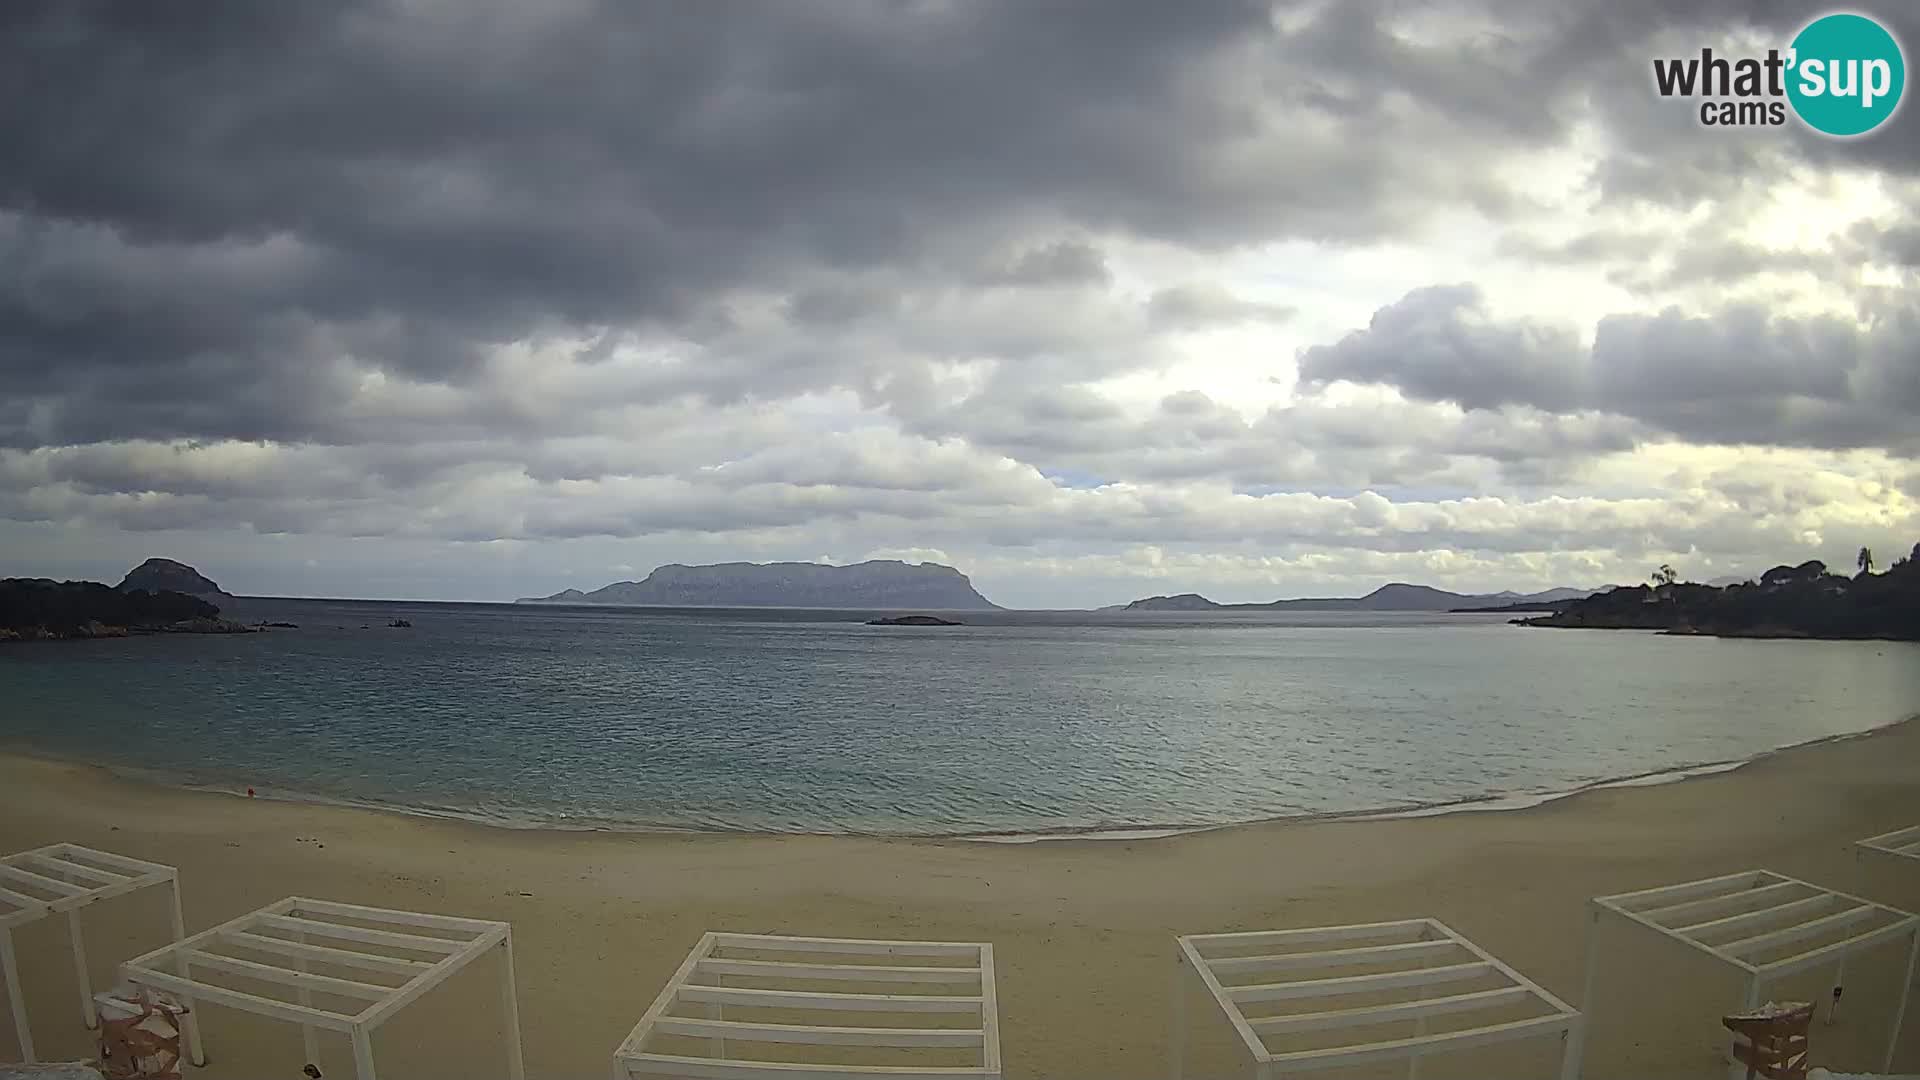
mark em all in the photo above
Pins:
pixel 1847 75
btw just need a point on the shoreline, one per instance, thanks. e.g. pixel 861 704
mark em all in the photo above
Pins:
pixel 1082 931
pixel 1499 802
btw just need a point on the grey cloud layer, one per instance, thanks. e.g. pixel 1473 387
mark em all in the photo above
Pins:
pixel 1741 375
pixel 223 201
pixel 632 269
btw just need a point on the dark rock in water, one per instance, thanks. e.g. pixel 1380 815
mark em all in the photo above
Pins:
pixel 166 575
pixel 401 624
pixel 913 620
pixel 209 626
pixel 278 625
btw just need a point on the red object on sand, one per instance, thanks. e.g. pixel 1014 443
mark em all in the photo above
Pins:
pixel 249 793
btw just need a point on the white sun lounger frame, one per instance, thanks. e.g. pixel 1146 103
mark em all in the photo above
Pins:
pixel 62 879
pixel 459 942
pixel 1718 906
pixel 966 989
pixel 1398 947
pixel 1898 844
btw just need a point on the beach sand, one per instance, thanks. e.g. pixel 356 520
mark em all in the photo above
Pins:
pixel 1083 929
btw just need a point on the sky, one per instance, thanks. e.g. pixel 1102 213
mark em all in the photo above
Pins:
pixel 1092 300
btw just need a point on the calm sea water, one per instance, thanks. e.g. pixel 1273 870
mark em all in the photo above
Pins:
pixel 811 721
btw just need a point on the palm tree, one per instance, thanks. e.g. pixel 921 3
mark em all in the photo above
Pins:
pixel 1865 560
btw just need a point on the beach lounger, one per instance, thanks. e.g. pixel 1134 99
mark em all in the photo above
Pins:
pixel 820 1008
pixel 1765 926
pixel 347 968
pixel 62 879
pixel 1274 986
pixel 1901 844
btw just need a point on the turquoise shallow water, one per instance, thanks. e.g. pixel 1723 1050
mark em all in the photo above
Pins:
pixel 1017 722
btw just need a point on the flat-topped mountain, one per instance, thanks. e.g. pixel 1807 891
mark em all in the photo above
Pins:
pixel 1397 596
pixel 877 584
pixel 166 575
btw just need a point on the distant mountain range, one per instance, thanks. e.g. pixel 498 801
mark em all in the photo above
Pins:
pixel 880 584
pixel 1398 596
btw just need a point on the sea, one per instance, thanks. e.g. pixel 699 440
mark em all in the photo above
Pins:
pixel 1014 725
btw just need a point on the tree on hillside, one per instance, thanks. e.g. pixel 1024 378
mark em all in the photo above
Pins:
pixel 1865 560
pixel 1666 575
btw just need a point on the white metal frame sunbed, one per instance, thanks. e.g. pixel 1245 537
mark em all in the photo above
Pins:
pixel 714 976
pixel 1748 920
pixel 1899 844
pixel 62 879
pixel 1408 955
pixel 389 959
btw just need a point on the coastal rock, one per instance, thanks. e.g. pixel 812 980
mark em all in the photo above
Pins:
pixel 33 609
pixel 912 620
pixel 881 583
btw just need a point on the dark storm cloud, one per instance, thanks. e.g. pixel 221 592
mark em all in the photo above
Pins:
pixel 1899 244
pixel 209 202
pixel 1598 54
pixel 1067 262
pixel 1438 344
pixel 221 192
pixel 1740 375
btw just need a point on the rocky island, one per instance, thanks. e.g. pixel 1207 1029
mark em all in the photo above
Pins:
pixel 166 575
pixel 879 584
pixel 1788 601
pixel 913 620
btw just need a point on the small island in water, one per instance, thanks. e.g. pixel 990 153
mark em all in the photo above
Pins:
pixel 1804 601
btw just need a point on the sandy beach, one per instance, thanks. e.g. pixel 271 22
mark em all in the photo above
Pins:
pixel 1083 928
